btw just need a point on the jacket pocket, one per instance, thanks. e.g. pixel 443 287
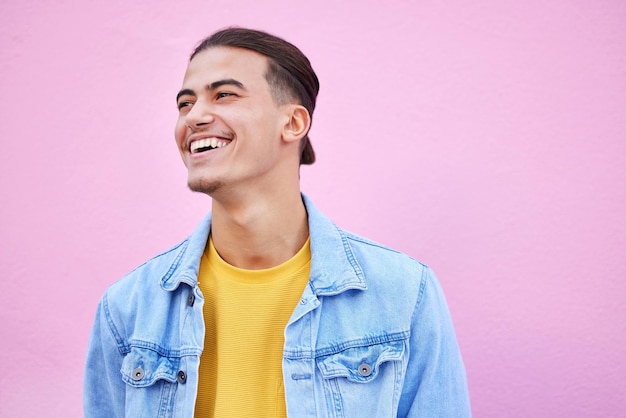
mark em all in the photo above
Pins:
pixel 143 367
pixel 363 381
pixel 150 380
pixel 360 364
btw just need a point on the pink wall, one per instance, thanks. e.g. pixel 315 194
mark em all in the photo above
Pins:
pixel 486 138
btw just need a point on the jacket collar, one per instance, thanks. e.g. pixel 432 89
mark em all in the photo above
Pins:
pixel 334 268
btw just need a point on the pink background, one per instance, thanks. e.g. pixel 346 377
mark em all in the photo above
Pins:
pixel 486 138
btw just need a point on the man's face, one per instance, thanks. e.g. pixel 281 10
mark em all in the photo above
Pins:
pixel 229 127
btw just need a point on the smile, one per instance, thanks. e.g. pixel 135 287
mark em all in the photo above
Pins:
pixel 208 144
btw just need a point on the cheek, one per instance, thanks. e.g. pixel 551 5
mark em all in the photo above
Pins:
pixel 179 133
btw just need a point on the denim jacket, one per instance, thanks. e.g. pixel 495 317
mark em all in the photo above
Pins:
pixel 370 337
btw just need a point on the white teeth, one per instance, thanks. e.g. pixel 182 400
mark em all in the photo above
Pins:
pixel 206 143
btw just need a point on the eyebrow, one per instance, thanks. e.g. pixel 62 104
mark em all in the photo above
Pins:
pixel 185 92
pixel 213 86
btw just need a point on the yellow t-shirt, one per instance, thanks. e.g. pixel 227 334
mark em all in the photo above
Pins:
pixel 245 314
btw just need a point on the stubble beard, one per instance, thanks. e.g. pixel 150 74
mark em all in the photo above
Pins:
pixel 204 186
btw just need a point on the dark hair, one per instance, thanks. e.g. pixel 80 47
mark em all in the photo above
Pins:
pixel 289 72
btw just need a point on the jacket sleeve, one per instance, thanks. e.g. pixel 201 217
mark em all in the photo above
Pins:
pixel 435 384
pixel 104 390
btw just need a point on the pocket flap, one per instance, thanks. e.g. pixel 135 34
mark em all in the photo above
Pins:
pixel 142 367
pixel 360 364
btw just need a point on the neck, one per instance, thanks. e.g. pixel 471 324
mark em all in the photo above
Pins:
pixel 260 232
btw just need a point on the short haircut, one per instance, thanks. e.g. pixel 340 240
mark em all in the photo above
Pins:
pixel 289 74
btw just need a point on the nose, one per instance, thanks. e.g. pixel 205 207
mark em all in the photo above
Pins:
pixel 199 115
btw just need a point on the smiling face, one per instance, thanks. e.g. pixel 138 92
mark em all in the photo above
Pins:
pixel 230 131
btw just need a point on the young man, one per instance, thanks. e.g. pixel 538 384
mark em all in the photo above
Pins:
pixel 268 309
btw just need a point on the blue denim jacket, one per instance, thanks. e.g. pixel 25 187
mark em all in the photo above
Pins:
pixel 371 336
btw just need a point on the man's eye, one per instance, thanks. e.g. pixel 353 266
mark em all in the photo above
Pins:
pixel 182 105
pixel 223 94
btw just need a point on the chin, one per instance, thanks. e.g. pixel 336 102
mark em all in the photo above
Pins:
pixel 204 185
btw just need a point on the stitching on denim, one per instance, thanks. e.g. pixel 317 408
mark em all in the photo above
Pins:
pixel 366 241
pixel 162 351
pixel 346 246
pixel 420 295
pixel 122 348
pixel 176 261
pixel 168 389
pixel 346 345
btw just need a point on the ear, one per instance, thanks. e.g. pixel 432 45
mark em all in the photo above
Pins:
pixel 298 123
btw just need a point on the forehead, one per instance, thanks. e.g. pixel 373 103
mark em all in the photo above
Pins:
pixel 218 63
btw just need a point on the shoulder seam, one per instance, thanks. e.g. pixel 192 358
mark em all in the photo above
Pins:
pixel 122 348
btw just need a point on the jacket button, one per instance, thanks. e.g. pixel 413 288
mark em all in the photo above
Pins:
pixel 137 374
pixel 191 299
pixel 182 377
pixel 365 370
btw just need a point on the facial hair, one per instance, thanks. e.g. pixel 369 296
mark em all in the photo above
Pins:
pixel 204 186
